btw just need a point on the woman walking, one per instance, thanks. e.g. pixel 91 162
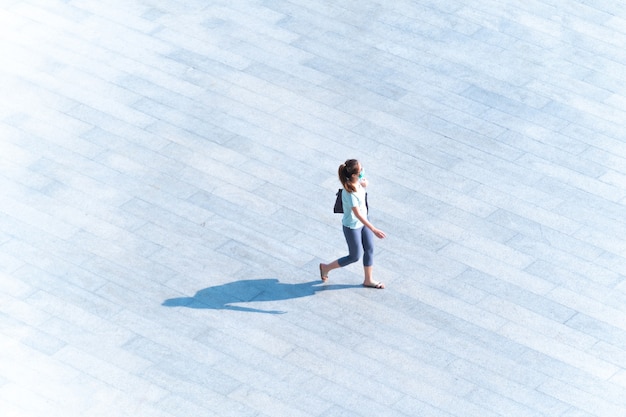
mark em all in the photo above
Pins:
pixel 357 229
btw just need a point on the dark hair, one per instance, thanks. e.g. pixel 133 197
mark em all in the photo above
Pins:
pixel 346 171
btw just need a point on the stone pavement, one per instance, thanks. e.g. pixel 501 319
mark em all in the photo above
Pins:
pixel 168 170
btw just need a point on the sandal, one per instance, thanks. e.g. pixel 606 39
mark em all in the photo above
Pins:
pixel 377 285
pixel 322 276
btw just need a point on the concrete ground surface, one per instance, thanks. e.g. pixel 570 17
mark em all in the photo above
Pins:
pixel 168 171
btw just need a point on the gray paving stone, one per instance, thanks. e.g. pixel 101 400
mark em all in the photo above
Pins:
pixel 583 401
pixel 167 171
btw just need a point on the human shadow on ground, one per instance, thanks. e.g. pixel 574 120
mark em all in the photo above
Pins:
pixel 222 297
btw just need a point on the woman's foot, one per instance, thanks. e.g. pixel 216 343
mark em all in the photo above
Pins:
pixel 374 284
pixel 323 274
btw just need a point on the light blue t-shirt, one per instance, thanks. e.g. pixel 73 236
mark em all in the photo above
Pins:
pixel 349 200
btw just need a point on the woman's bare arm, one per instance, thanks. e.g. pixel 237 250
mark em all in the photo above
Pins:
pixel 379 233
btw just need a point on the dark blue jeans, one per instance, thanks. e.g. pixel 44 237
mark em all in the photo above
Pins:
pixel 360 242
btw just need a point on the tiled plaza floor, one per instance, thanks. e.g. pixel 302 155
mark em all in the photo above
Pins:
pixel 167 176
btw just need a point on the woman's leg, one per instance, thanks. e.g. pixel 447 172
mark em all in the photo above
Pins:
pixel 367 240
pixel 326 268
pixel 368 281
pixel 353 239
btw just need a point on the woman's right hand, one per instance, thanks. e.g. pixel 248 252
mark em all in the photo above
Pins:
pixel 379 233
